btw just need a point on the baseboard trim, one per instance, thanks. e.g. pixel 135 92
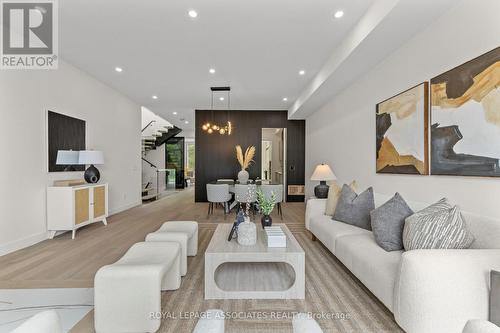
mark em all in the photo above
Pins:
pixel 124 208
pixel 22 243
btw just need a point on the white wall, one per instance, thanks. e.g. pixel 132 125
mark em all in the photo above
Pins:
pixel 148 116
pixel 113 126
pixel 342 133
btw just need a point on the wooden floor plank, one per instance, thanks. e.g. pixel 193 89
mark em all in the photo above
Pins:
pixel 66 263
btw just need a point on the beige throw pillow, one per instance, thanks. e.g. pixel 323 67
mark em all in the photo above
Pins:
pixel 334 194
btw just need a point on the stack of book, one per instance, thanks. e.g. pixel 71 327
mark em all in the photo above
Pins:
pixel 275 237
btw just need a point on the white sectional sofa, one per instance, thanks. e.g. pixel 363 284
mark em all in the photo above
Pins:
pixel 427 290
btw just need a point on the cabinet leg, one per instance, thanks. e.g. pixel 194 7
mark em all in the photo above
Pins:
pixel 52 234
pixel 73 234
pixel 104 221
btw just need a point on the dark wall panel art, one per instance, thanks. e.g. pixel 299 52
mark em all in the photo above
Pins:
pixel 64 133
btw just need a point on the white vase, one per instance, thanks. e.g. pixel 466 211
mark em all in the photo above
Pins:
pixel 243 177
pixel 247 234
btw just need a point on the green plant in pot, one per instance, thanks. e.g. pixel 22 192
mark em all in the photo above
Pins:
pixel 266 206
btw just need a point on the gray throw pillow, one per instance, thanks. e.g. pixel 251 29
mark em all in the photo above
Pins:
pixel 440 229
pixel 353 208
pixel 388 222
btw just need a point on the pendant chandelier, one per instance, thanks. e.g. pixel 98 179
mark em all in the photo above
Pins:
pixel 211 126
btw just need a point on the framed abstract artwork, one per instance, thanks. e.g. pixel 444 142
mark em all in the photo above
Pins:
pixel 465 118
pixel 401 132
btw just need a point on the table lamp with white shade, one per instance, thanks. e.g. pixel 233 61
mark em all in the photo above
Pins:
pixel 69 158
pixel 91 157
pixel 322 173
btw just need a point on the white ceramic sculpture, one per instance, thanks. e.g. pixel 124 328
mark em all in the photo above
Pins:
pixel 247 234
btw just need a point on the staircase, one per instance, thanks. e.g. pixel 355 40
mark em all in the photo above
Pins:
pixel 154 134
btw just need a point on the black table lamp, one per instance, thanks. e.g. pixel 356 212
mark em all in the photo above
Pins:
pixel 68 158
pixel 322 173
pixel 91 157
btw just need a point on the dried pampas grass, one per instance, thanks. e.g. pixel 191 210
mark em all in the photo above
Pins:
pixel 247 159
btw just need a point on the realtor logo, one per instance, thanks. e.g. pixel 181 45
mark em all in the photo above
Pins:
pixel 29 34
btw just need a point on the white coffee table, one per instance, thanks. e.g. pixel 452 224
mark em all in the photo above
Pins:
pixel 233 271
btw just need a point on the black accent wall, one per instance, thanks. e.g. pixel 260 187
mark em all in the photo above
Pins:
pixel 215 153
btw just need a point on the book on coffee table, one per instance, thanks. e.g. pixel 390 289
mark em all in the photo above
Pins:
pixel 275 237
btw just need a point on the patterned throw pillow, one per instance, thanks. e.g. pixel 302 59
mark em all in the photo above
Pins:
pixel 333 196
pixel 355 209
pixel 438 226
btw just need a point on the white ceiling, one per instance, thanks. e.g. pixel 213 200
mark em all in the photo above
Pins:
pixel 256 46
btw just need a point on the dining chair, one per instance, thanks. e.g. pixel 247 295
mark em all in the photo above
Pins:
pixel 243 195
pixel 218 194
pixel 268 190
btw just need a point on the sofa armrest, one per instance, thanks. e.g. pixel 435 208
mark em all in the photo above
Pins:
pixel 314 207
pixel 439 290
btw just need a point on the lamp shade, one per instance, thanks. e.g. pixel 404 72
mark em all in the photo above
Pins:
pixel 90 157
pixel 322 173
pixel 67 157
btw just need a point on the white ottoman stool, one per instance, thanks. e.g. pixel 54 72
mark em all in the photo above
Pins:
pixel 480 326
pixel 127 292
pixel 178 237
pixel 303 323
pixel 211 321
pixel 43 322
pixel 190 228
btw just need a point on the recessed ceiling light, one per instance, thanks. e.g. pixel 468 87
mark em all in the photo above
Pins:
pixel 221 98
pixel 186 122
pixel 154 97
pixel 119 69
pixel 212 71
pixel 338 14
pixel 174 113
pixel 192 13
pixel 302 72
pixel 285 99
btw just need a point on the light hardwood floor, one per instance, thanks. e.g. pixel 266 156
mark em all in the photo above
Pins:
pixel 330 287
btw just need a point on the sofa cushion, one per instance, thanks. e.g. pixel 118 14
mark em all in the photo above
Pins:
pixel 388 221
pixel 333 196
pixel 328 230
pixel 376 268
pixel 355 209
pixel 442 229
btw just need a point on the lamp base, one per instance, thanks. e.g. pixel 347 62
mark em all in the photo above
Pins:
pixel 321 190
pixel 92 175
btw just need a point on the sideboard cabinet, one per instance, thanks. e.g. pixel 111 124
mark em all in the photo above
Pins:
pixel 73 207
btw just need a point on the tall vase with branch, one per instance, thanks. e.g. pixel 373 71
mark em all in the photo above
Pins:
pixel 244 160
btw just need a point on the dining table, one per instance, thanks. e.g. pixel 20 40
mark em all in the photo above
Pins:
pixel 232 183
